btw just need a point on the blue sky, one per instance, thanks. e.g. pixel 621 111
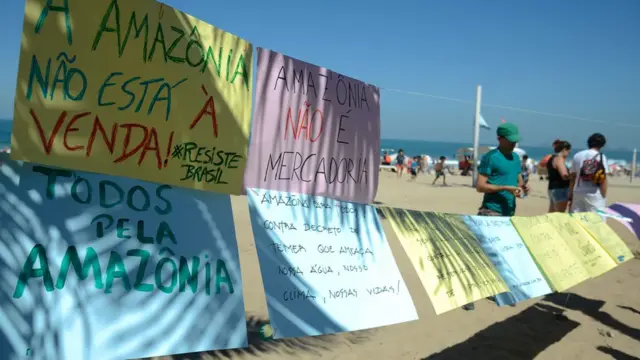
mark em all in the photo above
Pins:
pixel 574 57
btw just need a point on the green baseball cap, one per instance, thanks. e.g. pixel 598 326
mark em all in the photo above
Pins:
pixel 509 131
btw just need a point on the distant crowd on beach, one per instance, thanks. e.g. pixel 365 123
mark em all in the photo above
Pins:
pixel 576 183
pixel 421 164
pixel 400 163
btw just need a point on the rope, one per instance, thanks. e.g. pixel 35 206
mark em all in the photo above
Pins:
pixel 536 112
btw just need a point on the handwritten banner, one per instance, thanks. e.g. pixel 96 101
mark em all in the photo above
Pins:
pixel 450 263
pixel 504 247
pixel 133 88
pixel 114 268
pixel 314 131
pixel 605 236
pixel 594 258
pixel 561 266
pixel 326 265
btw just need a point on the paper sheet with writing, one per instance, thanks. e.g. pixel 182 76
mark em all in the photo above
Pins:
pixel 593 256
pixel 326 265
pixel 314 131
pixel 504 247
pixel 133 88
pixel 102 267
pixel 562 268
pixel 605 236
pixel 450 263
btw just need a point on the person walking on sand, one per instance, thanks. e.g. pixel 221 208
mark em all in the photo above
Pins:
pixel 439 168
pixel 417 166
pixel 500 178
pixel 526 168
pixel 400 163
pixel 588 179
pixel 558 188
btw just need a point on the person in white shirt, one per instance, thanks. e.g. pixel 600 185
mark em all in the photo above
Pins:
pixel 527 168
pixel 588 182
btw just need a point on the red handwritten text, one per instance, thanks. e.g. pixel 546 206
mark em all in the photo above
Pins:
pixel 148 140
pixel 304 125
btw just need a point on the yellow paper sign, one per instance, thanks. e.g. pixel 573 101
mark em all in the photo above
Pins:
pixel 562 268
pixel 594 258
pixel 133 88
pixel 450 263
pixel 605 236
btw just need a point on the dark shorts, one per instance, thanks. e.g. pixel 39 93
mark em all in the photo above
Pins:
pixel 439 173
pixel 558 195
pixel 487 212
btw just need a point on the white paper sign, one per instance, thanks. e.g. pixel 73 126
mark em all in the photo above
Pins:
pixel 103 267
pixel 326 265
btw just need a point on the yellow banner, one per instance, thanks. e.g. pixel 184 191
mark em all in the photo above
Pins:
pixel 447 256
pixel 594 258
pixel 605 236
pixel 133 88
pixel 561 266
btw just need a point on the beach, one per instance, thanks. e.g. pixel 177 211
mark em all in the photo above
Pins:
pixel 599 320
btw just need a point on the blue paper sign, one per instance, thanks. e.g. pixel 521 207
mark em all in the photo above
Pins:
pixel 104 267
pixel 326 265
pixel 505 248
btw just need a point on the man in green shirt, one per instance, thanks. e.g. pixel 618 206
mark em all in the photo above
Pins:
pixel 500 177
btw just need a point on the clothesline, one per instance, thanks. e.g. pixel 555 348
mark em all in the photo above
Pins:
pixel 530 111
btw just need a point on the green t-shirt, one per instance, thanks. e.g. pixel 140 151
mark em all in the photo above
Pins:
pixel 503 170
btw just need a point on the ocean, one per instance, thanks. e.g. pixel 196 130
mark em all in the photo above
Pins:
pixel 434 149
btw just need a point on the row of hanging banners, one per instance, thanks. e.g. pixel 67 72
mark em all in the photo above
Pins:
pixel 131 130
pixel 92 257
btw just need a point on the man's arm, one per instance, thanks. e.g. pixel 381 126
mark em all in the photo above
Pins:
pixel 522 185
pixel 484 187
pixel 484 169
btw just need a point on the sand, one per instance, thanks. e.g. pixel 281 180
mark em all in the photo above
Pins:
pixel 600 320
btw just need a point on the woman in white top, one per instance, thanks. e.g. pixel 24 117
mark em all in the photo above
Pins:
pixel 588 186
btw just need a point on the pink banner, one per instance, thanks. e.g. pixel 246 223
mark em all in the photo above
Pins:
pixel 314 131
pixel 629 211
